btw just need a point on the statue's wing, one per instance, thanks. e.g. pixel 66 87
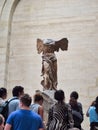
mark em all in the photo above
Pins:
pixel 39 46
pixel 62 44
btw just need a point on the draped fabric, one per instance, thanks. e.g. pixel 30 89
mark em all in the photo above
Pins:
pixel 49 71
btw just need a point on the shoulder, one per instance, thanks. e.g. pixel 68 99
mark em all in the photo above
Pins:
pixel 92 108
pixel 13 100
pixel 12 117
pixel 1 101
pixel 68 106
pixel 79 104
pixel 35 105
pixel 40 107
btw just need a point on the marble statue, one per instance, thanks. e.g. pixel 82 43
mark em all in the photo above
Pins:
pixel 48 47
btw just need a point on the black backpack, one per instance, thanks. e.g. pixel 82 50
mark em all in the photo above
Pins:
pixel 78 119
pixel 4 108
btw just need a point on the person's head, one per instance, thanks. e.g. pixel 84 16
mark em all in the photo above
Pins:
pixel 96 104
pixel 38 98
pixel 1 122
pixel 59 95
pixel 18 91
pixel 25 100
pixel 3 93
pixel 74 97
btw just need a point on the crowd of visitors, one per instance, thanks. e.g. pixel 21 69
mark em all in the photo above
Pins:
pixel 26 112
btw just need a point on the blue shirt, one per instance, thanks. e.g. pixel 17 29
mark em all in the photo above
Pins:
pixel 24 120
pixel 93 116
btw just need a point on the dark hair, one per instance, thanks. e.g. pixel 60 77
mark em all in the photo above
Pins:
pixel 38 97
pixel 74 94
pixel 59 95
pixel 3 92
pixel 96 104
pixel 16 90
pixel 26 99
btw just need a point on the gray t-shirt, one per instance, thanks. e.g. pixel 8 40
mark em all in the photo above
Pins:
pixel 13 105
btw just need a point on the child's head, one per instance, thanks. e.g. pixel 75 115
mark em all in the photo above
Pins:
pixel 3 93
pixel 1 122
pixel 38 98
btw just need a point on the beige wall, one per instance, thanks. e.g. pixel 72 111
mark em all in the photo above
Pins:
pixel 21 65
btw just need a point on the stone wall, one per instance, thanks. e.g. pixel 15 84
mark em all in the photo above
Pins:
pixel 6 13
pixel 22 22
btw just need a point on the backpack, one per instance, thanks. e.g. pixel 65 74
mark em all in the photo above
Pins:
pixel 4 108
pixel 78 115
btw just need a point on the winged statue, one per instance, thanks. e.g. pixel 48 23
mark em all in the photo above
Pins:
pixel 48 47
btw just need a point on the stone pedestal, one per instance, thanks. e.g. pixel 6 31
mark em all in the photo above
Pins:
pixel 49 100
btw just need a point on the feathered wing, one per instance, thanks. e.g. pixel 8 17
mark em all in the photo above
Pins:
pixel 39 46
pixel 62 44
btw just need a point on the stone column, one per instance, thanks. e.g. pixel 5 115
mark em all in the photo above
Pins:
pixel 7 9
